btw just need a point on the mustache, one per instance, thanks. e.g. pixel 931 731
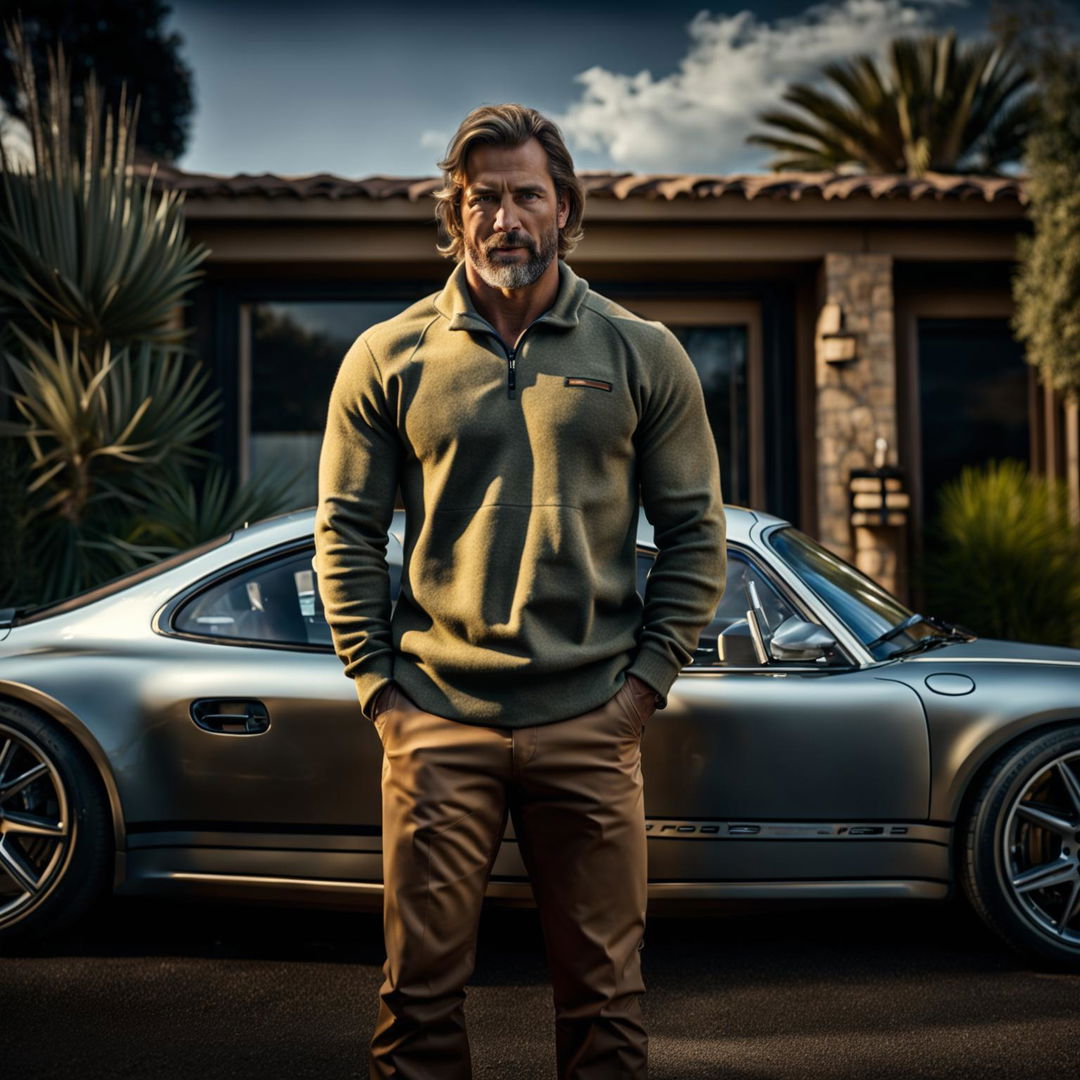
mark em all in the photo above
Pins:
pixel 509 240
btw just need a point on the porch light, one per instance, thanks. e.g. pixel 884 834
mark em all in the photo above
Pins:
pixel 838 345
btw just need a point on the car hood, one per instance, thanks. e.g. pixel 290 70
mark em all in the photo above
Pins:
pixel 991 649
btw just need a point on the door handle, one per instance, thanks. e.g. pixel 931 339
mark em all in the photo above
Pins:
pixel 230 716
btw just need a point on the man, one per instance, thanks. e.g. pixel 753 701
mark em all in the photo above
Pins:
pixel 521 413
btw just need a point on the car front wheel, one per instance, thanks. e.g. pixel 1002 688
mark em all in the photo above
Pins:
pixel 1021 859
pixel 55 834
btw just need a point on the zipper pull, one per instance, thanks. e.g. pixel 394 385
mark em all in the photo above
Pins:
pixel 511 373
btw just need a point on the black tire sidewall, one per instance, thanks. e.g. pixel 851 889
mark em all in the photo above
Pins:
pixel 85 873
pixel 985 867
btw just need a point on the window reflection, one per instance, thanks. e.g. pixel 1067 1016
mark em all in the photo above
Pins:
pixel 719 355
pixel 296 350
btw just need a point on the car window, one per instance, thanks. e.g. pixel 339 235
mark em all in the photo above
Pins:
pixel 276 601
pixel 861 602
pixel 726 641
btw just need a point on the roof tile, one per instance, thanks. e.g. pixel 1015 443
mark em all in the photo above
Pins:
pixel 614 185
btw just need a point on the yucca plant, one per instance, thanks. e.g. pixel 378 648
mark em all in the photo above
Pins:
pixel 933 106
pixel 110 407
pixel 181 511
pixel 86 244
pixel 1002 557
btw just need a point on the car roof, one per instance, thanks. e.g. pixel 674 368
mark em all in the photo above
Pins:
pixel 296 524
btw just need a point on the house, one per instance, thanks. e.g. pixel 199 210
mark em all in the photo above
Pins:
pixel 840 324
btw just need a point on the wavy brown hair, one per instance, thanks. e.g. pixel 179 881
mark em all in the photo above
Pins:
pixel 506 125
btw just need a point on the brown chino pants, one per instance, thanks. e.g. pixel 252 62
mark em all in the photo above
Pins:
pixel 574 792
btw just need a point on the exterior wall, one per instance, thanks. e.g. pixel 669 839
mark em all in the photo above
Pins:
pixel 856 406
pixel 698 246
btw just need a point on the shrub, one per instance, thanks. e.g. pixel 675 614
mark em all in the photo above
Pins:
pixel 1002 557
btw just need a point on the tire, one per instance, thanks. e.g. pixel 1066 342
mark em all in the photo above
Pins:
pixel 1020 860
pixel 56 842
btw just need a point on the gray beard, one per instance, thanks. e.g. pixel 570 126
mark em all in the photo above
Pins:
pixel 514 275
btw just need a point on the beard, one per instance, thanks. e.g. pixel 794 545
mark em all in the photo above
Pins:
pixel 502 275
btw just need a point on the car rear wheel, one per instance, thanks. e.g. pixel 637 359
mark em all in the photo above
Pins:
pixel 1021 861
pixel 55 834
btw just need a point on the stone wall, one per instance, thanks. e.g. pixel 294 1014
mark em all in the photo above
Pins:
pixel 856 406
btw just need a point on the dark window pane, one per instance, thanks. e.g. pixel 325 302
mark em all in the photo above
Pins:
pixel 719 354
pixel 275 602
pixel 973 397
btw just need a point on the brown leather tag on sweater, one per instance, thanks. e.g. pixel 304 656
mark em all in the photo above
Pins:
pixel 596 384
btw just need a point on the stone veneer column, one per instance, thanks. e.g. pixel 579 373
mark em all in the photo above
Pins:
pixel 856 405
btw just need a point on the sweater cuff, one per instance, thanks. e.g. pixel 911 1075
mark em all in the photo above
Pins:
pixel 656 670
pixel 368 686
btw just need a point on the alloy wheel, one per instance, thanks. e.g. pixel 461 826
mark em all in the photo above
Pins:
pixel 1041 842
pixel 36 830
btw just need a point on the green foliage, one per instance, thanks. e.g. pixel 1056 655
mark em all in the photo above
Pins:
pixel 934 107
pixel 180 513
pixel 96 422
pixel 110 408
pixel 1002 557
pixel 122 43
pixel 1046 287
pixel 17 572
pixel 88 247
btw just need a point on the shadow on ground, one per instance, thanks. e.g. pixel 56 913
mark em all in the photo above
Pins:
pixel 164 990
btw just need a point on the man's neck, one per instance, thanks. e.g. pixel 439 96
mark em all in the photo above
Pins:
pixel 510 311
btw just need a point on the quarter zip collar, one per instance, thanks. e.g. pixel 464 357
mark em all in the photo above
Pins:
pixel 455 304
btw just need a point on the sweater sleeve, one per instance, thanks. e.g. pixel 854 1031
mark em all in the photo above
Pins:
pixel 679 476
pixel 358 476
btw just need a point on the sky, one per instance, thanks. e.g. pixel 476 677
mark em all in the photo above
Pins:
pixel 358 90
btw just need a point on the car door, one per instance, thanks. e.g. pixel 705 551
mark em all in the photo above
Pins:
pixel 776 754
pixel 257 726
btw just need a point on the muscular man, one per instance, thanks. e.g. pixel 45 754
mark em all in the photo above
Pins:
pixel 521 414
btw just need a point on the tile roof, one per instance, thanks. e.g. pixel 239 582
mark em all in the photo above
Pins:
pixel 610 185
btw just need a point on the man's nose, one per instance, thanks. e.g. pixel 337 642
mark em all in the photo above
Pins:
pixel 506 217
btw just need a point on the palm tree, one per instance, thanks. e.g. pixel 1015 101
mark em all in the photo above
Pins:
pixel 932 107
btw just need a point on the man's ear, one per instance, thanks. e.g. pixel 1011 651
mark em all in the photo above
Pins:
pixel 564 209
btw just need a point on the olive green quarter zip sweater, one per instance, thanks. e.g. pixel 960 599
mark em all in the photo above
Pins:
pixel 520 470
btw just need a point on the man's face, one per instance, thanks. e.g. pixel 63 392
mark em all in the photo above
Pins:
pixel 510 214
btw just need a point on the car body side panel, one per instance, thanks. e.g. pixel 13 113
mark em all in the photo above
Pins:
pixel 318 764
pixel 789 747
pixel 1009 699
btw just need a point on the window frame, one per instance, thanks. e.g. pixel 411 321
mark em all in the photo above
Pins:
pixel 798 606
pixel 165 620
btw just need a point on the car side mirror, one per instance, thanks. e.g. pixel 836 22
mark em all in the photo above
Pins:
pixel 797 639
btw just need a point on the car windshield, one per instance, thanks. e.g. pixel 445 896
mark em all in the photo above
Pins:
pixel 863 604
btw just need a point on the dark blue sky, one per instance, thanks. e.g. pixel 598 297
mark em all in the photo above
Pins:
pixel 357 89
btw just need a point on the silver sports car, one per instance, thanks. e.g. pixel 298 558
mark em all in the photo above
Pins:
pixel 187 730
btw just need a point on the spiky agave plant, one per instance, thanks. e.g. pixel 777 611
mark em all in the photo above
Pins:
pixel 101 429
pixel 94 267
pixel 87 245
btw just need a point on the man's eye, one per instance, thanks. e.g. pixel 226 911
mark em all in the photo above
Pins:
pixel 530 195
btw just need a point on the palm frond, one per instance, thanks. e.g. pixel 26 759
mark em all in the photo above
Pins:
pixel 933 105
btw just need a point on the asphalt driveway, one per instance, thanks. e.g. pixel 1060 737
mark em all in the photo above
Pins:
pixel 160 990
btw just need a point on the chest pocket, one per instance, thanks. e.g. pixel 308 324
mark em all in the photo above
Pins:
pixel 576 414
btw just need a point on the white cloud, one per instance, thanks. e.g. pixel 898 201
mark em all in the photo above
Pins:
pixel 697 118
pixel 435 140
